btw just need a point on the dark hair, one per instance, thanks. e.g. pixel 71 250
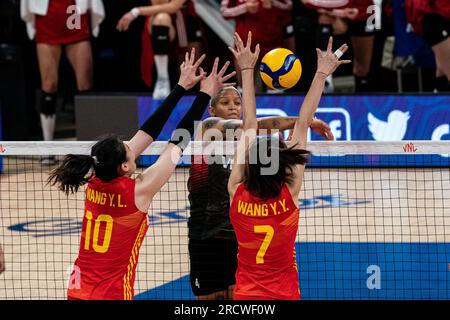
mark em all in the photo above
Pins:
pixel 106 155
pixel 269 186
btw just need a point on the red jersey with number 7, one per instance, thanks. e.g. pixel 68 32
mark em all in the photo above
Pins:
pixel 112 233
pixel 266 232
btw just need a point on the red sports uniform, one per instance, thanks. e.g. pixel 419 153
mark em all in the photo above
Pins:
pixel 112 233
pixel 266 232
pixel 416 9
pixel 267 25
pixel 53 27
pixel 361 5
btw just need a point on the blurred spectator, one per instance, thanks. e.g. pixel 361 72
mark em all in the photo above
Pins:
pixel 270 22
pixel 170 26
pixel 329 23
pixel 339 16
pixel 362 37
pixel 431 19
pixel 58 24
pixel 117 54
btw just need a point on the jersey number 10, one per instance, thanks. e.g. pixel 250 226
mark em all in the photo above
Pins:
pixel 108 231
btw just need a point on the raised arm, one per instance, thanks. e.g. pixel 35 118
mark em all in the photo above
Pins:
pixel 246 60
pixel 268 124
pixel 153 178
pixel 326 64
pixel 152 127
pixel 169 7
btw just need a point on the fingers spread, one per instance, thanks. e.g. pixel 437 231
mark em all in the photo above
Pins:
pixel 234 52
pixel 330 44
pixel 238 41
pixel 249 39
pixel 344 48
pixel 199 61
pixel 228 76
pixel 192 58
pixel 229 84
pixel 257 50
pixel 319 53
pixel 215 66
pixel 224 68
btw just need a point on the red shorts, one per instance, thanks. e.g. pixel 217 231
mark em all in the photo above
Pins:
pixel 60 27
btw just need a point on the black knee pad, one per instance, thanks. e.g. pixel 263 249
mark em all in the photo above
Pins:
pixel 48 103
pixel 160 39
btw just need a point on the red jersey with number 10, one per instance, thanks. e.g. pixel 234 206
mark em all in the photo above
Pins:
pixel 266 232
pixel 112 233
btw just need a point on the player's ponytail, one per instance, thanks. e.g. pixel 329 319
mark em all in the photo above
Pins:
pixel 75 170
pixel 267 186
pixel 71 173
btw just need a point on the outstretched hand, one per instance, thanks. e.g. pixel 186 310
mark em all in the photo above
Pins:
pixel 125 21
pixel 322 128
pixel 216 80
pixel 246 59
pixel 188 70
pixel 327 62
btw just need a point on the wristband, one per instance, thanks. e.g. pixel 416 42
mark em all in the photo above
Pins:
pixel 135 12
pixel 322 73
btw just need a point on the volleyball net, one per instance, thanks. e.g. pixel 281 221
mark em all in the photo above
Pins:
pixel 374 223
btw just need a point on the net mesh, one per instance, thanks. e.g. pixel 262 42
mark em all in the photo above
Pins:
pixel 374 224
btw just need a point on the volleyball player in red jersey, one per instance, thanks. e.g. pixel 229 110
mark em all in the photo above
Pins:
pixel 264 209
pixel 59 25
pixel 115 216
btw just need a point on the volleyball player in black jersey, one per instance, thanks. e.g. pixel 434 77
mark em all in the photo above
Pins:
pixel 212 242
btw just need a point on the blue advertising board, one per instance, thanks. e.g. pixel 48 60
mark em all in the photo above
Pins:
pixel 352 117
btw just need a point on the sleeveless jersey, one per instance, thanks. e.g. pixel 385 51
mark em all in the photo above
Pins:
pixel 209 198
pixel 52 28
pixel 112 233
pixel 266 232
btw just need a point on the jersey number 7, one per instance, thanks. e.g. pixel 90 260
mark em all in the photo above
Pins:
pixel 268 230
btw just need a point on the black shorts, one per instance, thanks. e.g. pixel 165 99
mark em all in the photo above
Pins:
pixel 213 264
pixel 436 28
pixel 360 29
